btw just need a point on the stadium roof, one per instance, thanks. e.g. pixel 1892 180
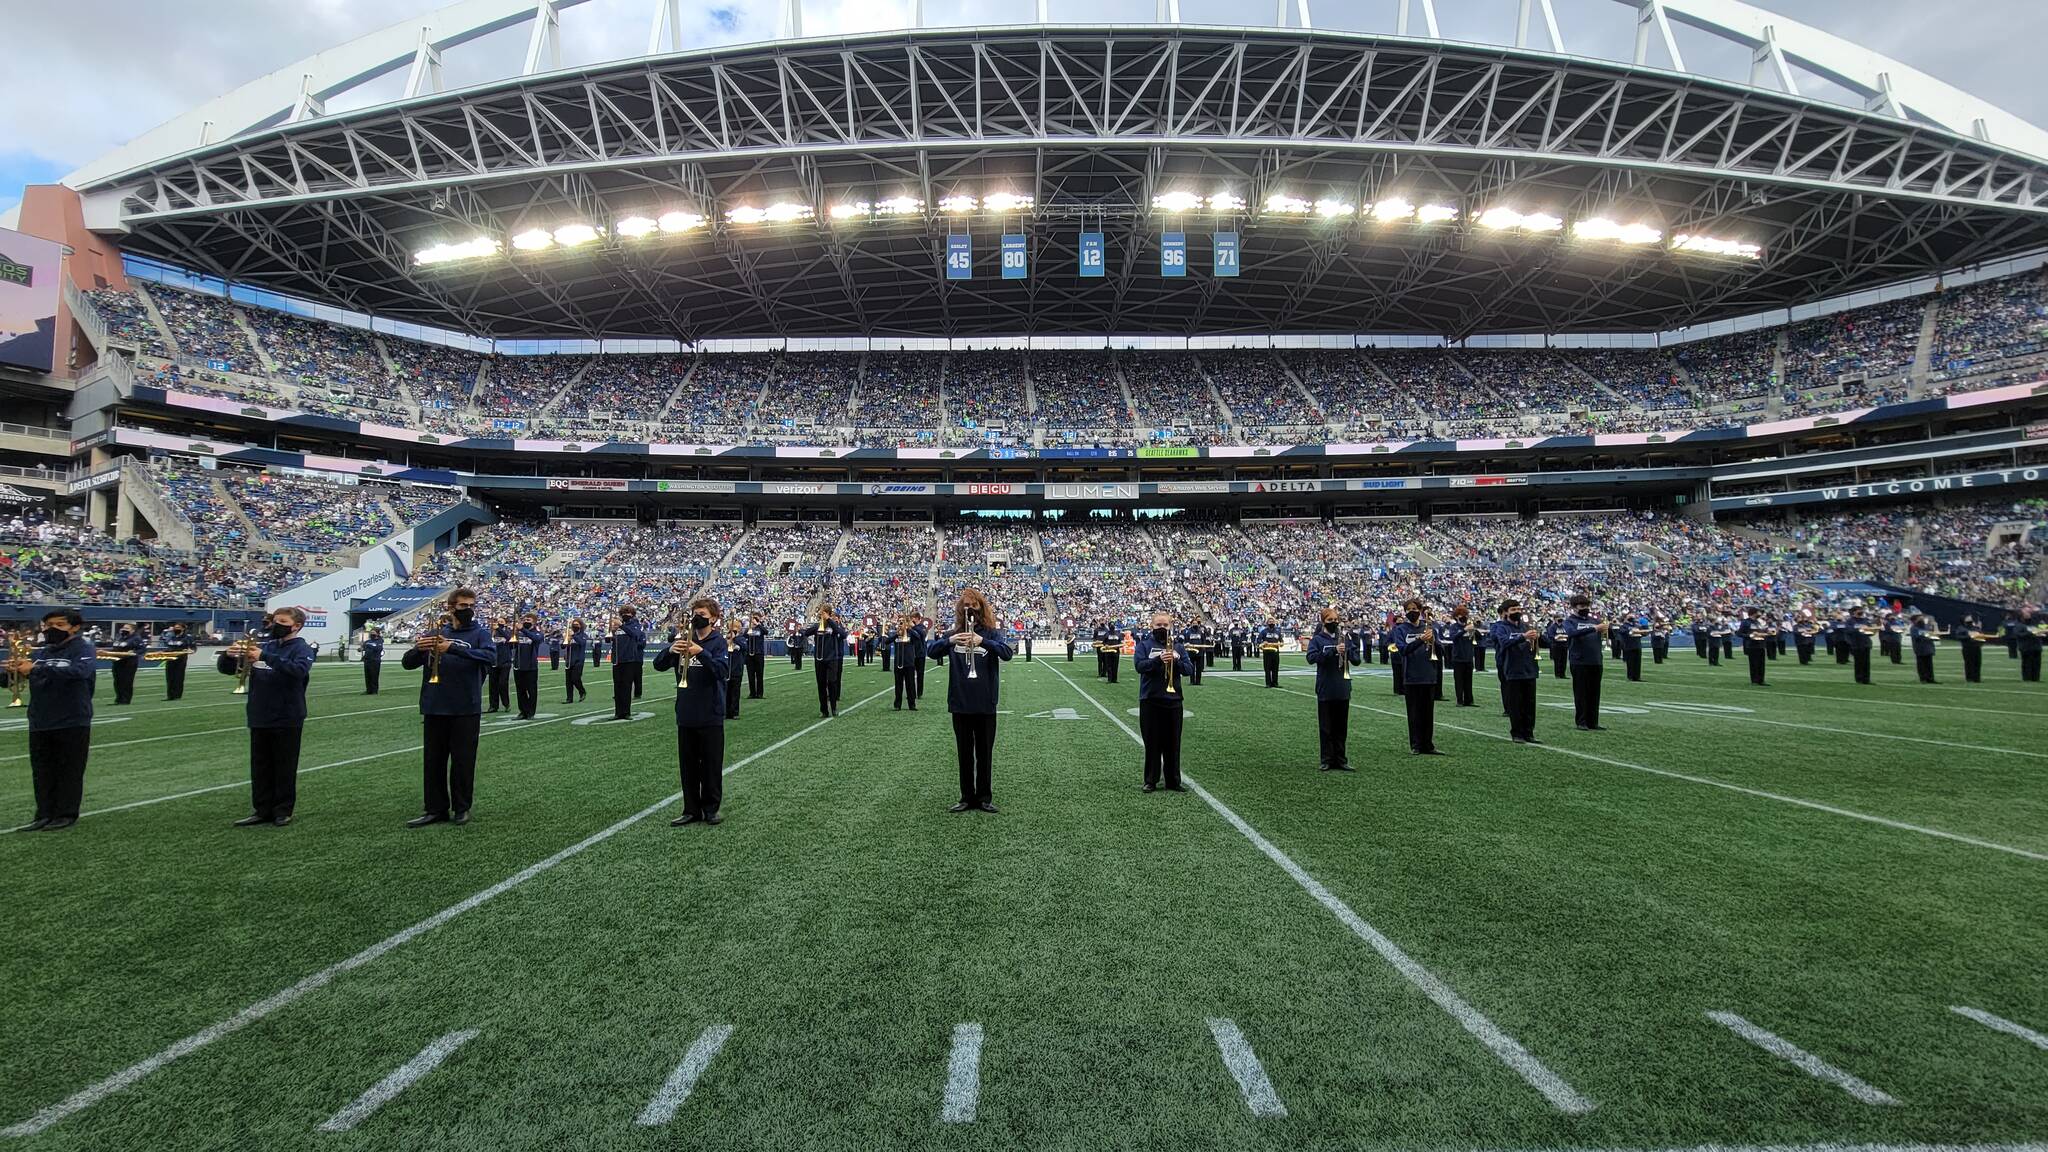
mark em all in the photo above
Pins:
pixel 1094 124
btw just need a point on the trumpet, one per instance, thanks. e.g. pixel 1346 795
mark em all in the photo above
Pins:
pixel 19 648
pixel 245 661
pixel 434 658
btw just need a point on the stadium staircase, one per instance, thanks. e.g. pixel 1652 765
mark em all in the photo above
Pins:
pixel 838 549
pixel 1614 399
pixel 676 392
pixel 1030 394
pixel 1300 385
pixel 138 484
pixel 1923 352
pixel 555 400
pixel 263 356
pixel 1216 395
pixel 1123 387
pixel 156 318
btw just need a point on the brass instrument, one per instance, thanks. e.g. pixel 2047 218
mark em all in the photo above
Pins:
pixel 19 647
pixel 160 656
pixel 245 662
pixel 434 657
pixel 1172 665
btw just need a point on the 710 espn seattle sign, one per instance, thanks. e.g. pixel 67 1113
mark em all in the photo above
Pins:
pixel 1890 489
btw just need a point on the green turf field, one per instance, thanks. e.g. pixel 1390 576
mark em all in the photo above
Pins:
pixel 1505 947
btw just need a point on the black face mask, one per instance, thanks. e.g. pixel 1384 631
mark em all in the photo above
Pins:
pixel 1414 616
pixel 280 631
pixel 55 635
pixel 700 621
pixel 463 616
pixel 1159 635
pixel 1514 618
pixel 625 615
pixel 1330 626
pixel 1583 611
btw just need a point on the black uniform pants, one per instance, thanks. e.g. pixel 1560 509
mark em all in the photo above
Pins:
pixel 1728 646
pixel 2030 665
pixel 1713 652
pixel 1479 659
pixel 1891 648
pixel 623 676
pixel 906 685
pixel 1860 657
pixel 555 660
pixel 1461 682
pixel 1196 659
pixel 1395 666
pixel 450 761
pixel 796 658
pixel 974 743
pixel 373 671
pixel 1333 730
pixel 1756 662
pixel 1115 659
pixel 1421 717
pixel 1159 721
pixel 700 753
pixel 174 678
pixel 1659 648
pixel 633 670
pixel 919 665
pixel 888 656
pixel 56 758
pixel 1520 698
pixel 1586 695
pixel 572 685
pixel 1632 659
pixel 827 672
pixel 1805 650
pixel 1842 654
pixel 124 679
pixel 1272 661
pixel 733 685
pixel 274 770
pixel 1924 665
pixel 501 687
pixel 1558 662
pixel 1027 649
pixel 756 664
pixel 1101 662
pixel 1973 663
pixel 527 682
pixel 1237 658
pixel 1700 641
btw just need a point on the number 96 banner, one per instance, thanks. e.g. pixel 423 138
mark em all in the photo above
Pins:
pixel 1173 254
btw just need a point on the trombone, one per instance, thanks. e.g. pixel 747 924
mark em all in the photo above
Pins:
pixel 244 662
pixel 19 648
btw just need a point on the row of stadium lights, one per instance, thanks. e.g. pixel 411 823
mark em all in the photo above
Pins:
pixel 1393 210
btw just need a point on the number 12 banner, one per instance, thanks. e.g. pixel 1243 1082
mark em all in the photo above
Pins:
pixel 1091 254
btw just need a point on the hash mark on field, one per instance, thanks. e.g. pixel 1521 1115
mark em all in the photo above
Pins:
pixel 1245 1069
pixel 963 1076
pixel 1800 1058
pixel 2001 1024
pixel 402 1078
pixel 277 1001
pixel 676 1089
pixel 1538 1075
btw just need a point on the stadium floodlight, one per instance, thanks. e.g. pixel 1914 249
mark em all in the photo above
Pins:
pixel 1711 246
pixel 1601 228
pixel 571 235
pixel 1435 213
pixel 898 206
pixel 634 227
pixel 956 205
pixel 849 211
pixel 1288 205
pixel 680 221
pixel 1502 219
pixel 1176 202
pixel 784 211
pixel 464 250
pixel 1226 202
pixel 533 240
pixel 1330 209
pixel 1391 209
pixel 1541 222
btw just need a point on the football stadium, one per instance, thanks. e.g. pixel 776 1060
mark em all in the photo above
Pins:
pixel 1432 576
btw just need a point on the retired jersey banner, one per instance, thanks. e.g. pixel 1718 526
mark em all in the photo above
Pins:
pixel 959 257
pixel 1091 254
pixel 1016 265
pixel 1173 254
pixel 1224 262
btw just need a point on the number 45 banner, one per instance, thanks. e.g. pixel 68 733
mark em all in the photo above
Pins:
pixel 959 257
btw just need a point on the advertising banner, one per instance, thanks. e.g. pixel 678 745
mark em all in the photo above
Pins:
pixel 29 267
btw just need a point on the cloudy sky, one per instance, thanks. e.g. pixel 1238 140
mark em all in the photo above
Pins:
pixel 119 67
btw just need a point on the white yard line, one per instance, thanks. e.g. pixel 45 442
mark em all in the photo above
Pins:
pixel 1507 1048
pixel 97 747
pixel 963 1076
pixel 676 1089
pixel 92 1094
pixel 401 1078
pixel 1245 1068
pixel 2001 1024
pixel 1816 806
pixel 1801 1059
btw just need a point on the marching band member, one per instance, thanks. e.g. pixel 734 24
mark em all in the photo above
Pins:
pixel 1631 642
pixel 1194 638
pixel 700 711
pixel 1412 645
pixel 1162 666
pixel 1781 636
pixel 457 658
pixel 1926 637
pixel 181 642
pixel 918 661
pixel 2025 635
pixel 1269 639
pixel 629 653
pixel 1718 634
pixel 373 659
pixel 1836 634
pixel 886 649
pixel 736 664
pixel 793 642
pixel 501 670
pixel 126 653
pixel 1889 641
pixel 1727 635
pixel 278 667
pixel 1112 648
pixel 1660 638
pixel 1458 636
pixel 828 658
pixel 1583 635
pixel 1025 628
pixel 597 651
pixel 757 654
pixel 572 679
pixel 974 654
pixel 61 674
pixel 1852 640
pixel 1067 631
pixel 1755 633
pixel 1554 635
pixel 1333 656
pixel 1239 634
pixel 1803 632
pixel 1515 645
pixel 1971 642
pixel 904 648
pixel 526 645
